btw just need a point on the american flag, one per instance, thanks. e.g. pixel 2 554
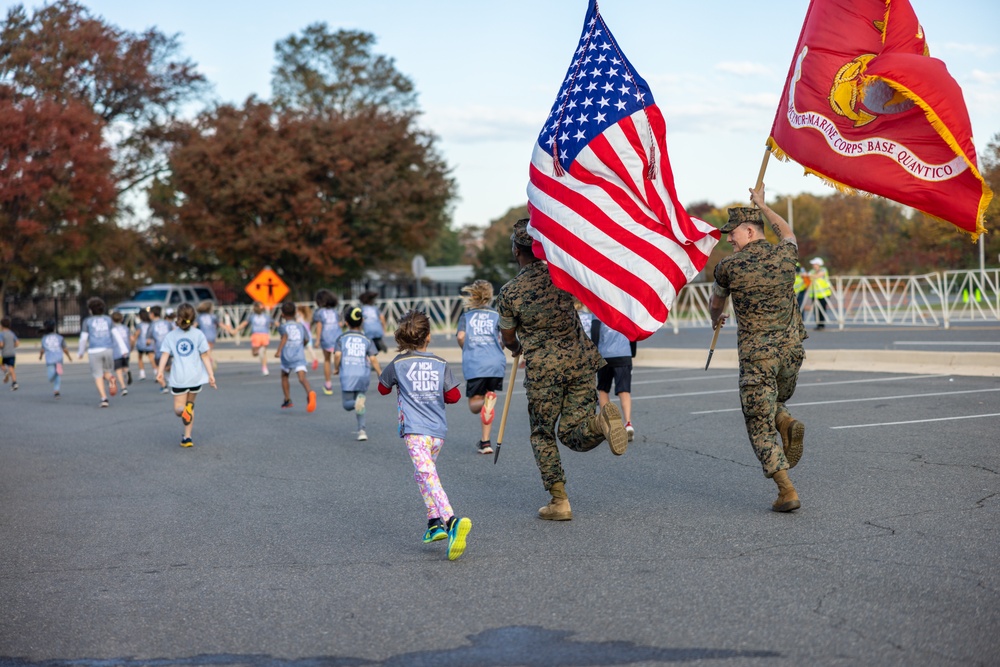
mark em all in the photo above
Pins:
pixel 604 212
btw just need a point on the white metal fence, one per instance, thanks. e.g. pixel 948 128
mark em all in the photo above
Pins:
pixel 934 299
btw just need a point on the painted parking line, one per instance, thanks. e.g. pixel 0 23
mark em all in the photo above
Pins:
pixel 859 400
pixel 918 421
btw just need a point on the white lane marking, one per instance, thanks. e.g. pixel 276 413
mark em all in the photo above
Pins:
pixel 857 400
pixel 917 342
pixel 810 384
pixel 918 421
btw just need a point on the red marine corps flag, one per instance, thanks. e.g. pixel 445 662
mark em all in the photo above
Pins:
pixel 866 108
pixel 604 213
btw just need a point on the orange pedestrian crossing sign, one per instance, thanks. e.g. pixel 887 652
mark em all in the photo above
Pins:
pixel 267 287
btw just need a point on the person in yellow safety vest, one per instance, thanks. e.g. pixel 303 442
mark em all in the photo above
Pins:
pixel 801 283
pixel 819 290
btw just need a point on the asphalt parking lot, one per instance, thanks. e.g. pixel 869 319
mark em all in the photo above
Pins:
pixel 279 539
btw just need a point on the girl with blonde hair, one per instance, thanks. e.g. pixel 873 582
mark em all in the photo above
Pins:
pixel 483 360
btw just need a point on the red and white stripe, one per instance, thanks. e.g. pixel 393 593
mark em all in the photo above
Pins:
pixel 617 240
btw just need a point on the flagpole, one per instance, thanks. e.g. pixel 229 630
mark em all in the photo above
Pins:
pixel 506 407
pixel 763 168
pixel 715 339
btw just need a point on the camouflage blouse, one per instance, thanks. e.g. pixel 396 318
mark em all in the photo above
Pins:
pixel 760 279
pixel 554 346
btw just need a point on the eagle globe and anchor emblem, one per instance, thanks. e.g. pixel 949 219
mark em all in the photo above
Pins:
pixel 863 101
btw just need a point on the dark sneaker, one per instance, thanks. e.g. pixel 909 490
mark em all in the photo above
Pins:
pixel 129 377
pixel 435 532
pixel 457 532
pixel 484 447
pixel 287 404
pixel 610 423
pixel 14 387
pixel 104 403
pixel 187 442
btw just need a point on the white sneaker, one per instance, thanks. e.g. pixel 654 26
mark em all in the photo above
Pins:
pixel 362 435
pixel 359 405
pixel 630 431
pixel 264 371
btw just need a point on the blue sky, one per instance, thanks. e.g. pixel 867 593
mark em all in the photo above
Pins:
pixel 488 72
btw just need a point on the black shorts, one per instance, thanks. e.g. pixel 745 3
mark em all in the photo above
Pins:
pixel 9 361
pixel 479 386
pixel 622 376
pixel 177 391
pixel 121 362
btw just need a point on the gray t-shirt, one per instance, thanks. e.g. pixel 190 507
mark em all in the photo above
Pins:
pixel 482 351
pixel 355 366
pixel 422 380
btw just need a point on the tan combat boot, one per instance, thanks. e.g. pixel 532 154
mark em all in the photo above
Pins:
pixel 788 499
pixel 609 423
pixel 792 432
pixel 558 508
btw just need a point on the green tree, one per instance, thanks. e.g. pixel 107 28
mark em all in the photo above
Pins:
pixel 336 73
pixel 494 262
pixel 447 248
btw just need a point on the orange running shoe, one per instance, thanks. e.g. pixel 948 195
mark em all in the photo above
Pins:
pixel 311 403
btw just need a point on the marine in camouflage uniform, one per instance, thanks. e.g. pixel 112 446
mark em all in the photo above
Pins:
pixel 539 320
pixel 760 277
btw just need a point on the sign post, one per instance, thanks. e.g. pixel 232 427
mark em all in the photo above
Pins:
pixel 418 266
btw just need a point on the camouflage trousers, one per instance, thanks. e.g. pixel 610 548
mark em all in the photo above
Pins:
pixel 573 405
pixel 765 385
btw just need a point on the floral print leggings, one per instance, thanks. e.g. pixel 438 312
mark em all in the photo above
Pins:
pixel 424 451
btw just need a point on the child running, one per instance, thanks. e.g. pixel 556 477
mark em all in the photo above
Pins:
pixel 123 350
pixel 191 367
pixel 353 359
pixel 617 351
pixel 208 323
pixel 328 331
pixel 140 341
pixel 424 385
pixel 292 352
pixel 8 344
pixel 374 326
pixel 98 342
pixel 260 333
pixel 53 350
pixel 303 315
pixel 483 360
pixel 158 330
